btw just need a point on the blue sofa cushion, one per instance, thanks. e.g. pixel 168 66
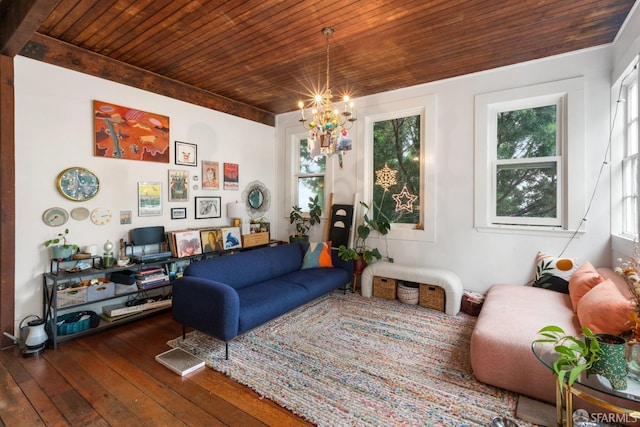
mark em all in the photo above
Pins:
pixel 265 301
pixel 318 281
pixel 246 268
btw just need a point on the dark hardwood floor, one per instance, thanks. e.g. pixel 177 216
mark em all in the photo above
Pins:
pixel 111 378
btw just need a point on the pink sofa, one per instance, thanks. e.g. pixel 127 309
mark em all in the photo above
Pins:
pixel 509 321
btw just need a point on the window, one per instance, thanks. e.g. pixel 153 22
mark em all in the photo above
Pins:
pixel 630 159
pixel 402 134
pixel 396 167
pixel 310 176
pixel 527 169
pixel 529 160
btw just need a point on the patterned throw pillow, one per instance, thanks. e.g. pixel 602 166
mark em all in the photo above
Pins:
pixel 553 273
pixel 318 255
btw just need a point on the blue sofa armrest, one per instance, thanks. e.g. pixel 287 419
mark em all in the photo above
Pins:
pixel 340 263
pixel 208 306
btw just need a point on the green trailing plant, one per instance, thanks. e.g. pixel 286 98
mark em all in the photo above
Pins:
pixel 576 354
pixel 61 238
pixel 303 221
pixel 363 230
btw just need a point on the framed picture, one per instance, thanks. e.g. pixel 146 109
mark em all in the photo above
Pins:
pixel 231 237
pixel 208 207
pixel 210 174
pixel 127 133
pixel 149 198
pixel 125 217
pixel 231 176
pixel 186 154
pixel 178 213
pixel 211 240
pixel 187 243
pixel 178 186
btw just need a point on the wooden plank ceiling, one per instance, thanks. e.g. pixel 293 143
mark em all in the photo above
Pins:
pixel 264 56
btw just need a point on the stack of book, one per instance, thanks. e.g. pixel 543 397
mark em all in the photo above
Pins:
pixel 151 278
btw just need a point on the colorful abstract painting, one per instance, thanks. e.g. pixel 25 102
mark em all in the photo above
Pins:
pixel 127 133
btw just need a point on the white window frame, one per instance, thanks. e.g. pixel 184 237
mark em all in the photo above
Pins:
pixel 568 95
pixel 495 109
pixel 425 107
pixel 295 140
pixel 622 244
pixel 630 160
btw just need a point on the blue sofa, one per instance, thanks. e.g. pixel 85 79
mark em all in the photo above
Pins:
pixel 229 295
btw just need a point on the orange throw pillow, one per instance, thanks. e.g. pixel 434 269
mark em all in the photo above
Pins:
pixel 605 310
pixel 317 255
pixel 581 282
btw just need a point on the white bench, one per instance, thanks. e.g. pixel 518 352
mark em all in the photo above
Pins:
pixel 445 279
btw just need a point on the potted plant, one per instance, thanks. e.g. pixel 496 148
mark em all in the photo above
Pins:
pixel 576 354
pixel 303 221
pixel 59 246
pixel 361 253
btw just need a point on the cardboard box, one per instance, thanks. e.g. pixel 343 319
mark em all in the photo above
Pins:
pixel 255 239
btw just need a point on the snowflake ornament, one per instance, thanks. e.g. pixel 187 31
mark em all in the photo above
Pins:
pixel 385 177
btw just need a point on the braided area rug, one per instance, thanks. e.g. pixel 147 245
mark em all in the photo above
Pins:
pixel 345 360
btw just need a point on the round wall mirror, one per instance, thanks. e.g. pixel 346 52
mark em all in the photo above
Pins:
pixel 78 184
pixel 257 198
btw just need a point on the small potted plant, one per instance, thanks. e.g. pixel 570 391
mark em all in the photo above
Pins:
pixel 303 221
pixel 59 246
pixel 361 253
pixel 576 354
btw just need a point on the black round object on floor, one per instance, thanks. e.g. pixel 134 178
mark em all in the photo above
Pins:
pixel 34 351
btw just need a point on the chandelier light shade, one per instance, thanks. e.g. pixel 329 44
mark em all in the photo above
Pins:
pixel 328 125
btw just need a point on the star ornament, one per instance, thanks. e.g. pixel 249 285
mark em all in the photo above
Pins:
pixel 404 194
pixel 385 177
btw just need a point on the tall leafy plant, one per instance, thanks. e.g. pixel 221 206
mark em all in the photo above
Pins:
pixel 363 230
pixel 303 221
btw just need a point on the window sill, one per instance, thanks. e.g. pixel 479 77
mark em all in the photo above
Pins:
pixel 530 230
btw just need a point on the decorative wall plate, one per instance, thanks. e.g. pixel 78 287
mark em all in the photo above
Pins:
pixel 101 216
pixel 77 184
pixel 80 214
pixel 55 216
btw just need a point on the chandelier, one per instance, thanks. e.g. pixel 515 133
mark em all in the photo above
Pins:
pixel 327 124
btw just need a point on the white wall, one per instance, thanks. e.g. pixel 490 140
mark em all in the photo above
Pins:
pixel 481 258
pixel 53 127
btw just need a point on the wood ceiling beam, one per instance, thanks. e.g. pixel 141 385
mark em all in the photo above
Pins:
pixel 56 52
pixel 19 19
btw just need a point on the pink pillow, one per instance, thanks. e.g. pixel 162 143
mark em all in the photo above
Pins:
pixel 581 282
pixel 605 310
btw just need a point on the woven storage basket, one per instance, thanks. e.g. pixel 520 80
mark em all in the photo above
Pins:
pixel 384 288
pixel 432 296
pixel 408 294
